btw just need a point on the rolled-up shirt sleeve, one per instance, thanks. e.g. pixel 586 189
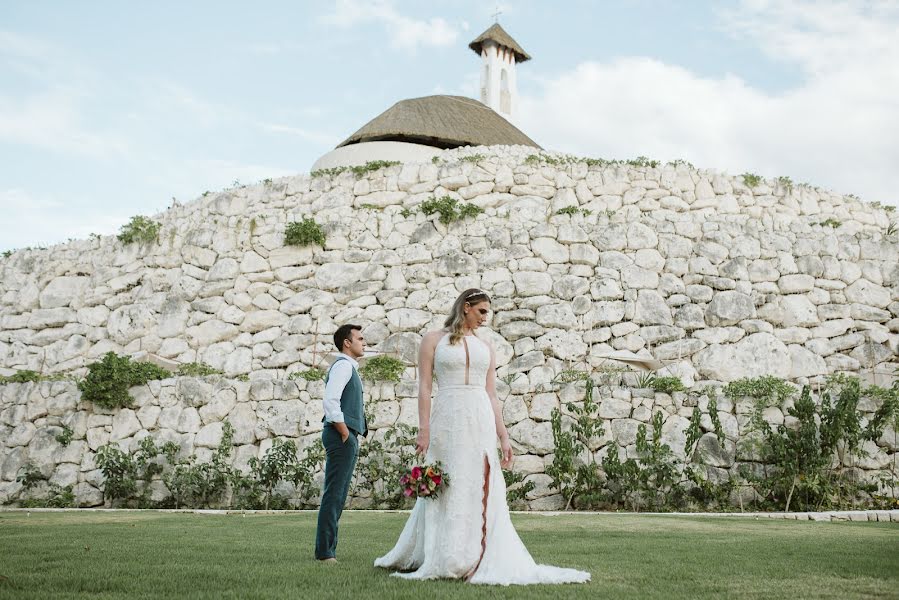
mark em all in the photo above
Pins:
pixel 337 380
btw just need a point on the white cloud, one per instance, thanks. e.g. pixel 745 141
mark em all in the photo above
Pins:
pixel 836 128
pixel 35 221
pixel 50 118
pixel 405 32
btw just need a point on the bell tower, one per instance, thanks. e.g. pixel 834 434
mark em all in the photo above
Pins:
pixel 499 55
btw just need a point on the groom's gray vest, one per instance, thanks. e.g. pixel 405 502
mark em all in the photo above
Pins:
pixel 351 403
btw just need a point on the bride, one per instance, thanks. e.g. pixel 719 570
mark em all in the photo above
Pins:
pixel 466 531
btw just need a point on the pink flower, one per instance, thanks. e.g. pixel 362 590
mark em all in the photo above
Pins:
pixel 416 472
pixel 407 492
pixel 404 480
pixel 436 479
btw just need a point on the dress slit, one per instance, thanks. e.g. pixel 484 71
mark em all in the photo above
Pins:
pixel 474 569
pixel 467 359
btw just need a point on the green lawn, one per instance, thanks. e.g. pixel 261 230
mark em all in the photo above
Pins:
pixel 172 555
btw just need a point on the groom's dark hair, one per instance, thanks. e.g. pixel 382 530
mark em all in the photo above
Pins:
pixel 343 333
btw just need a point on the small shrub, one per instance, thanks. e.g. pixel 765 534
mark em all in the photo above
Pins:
pixel 751 180
pixel 57 497
pixel 255 490
pixel 786 183
pixel 368 206
pixel 570 376
pixel 65 437
pixel 304 233
pixel 572 210
pixel 406 212
pixel 644 380
pixel 197 369
pixel 23 376
pixel 310 374
pixel 516 488
pixel 382 462
pixel 242 377
pixel 830 222
pixel 768 389
pixel 139 229
pixel 642 161
pixel 108 380
pixel 449 209
pixel 679 161
pixel 7 253
pixel 127 477
pixel 383 368
pixel 333 171
pixel 472 158
pixel 373 165
pixel 199 485
pixel 29 476
pixel 667 385
pixel 891 229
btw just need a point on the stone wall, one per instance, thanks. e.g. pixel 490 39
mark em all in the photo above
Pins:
pixel 723 280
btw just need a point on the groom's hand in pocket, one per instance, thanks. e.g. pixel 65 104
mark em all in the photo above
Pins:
pixel 343 430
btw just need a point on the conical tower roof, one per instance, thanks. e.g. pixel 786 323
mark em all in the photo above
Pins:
pixel 497 34
pixel 441 122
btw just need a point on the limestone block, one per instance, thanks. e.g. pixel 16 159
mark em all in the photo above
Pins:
pixel 124 424
pixel 674 433
pixel 21 435
pixel 96 437
pixel 12 463
pixel 641 236
pixel 536 437
pixel 606 289
pixel 613 408
pixel 756 355
pixel 526 362
pixel 796 284
pixel 556 315
pixel 729 308
pixel 259 320
pixel 65 475
pixel 550 250
pixel 605 313
pixel 532 283
pixel 62 291
pixel 281 417
pixel 867 293
pixel 514 410
pixel 651 309
pixel 331 276
pixel 43 318
pixel 223 269
pixel 798 311
pixel 624 431
pixel 87 495
pixel 243 419
pixel 148 415
pixel 130 322
pixel 210 332
pixel 408 319
pixel 253 263
pixel 188 421
pixel 209 436
pixel 715 453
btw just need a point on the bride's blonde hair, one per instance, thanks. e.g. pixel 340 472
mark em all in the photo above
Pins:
pixel 456 317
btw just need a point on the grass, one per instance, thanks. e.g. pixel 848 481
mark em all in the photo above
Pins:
pixel 182 555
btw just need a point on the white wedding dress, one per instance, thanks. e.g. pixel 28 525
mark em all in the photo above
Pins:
pixel 453 535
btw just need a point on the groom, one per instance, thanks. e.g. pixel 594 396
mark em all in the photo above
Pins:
pixel 344 422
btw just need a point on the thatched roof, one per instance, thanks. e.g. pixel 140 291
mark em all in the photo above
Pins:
pixel 499 35
pixel 441 122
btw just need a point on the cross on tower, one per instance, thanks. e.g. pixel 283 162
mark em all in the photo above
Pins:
pixel 496 14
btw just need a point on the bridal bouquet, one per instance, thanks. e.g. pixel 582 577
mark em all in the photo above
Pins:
pixel 424 481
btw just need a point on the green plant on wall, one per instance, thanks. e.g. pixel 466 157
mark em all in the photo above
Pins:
pixel 304 233
pixel 108 380
pixel 383 368
pixel 139 229
pixel 751 180
pixel 450 209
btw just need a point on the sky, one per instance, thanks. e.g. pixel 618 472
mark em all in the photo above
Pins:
pixel 112 109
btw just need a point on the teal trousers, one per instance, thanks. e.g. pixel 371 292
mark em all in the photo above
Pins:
pixel 339 464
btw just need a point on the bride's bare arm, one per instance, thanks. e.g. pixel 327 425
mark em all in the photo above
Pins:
pixel 425 381
pixel 501 430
